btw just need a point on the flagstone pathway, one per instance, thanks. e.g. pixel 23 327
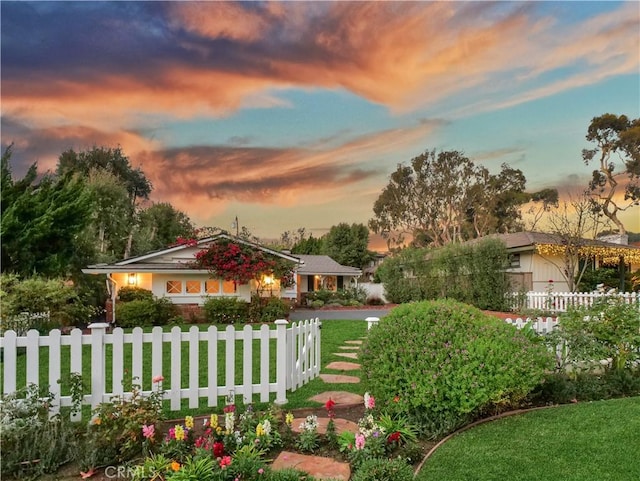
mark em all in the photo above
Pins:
pixel 317 466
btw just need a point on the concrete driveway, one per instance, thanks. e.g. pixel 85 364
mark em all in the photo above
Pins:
pixel 349 314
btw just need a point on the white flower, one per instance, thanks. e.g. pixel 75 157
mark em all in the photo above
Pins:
pixel 266 426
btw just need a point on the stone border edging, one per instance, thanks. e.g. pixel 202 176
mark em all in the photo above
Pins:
pixel 477 423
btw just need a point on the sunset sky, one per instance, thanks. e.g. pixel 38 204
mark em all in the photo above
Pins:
pixel 294 114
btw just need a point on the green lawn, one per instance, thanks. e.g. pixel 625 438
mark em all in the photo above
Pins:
pixel 597 441
pixel 334 333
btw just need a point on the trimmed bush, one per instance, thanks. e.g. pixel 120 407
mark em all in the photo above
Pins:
pixel 225 310
pixel 145 312
pixel 444 364
pixel 133 293
pixel 383 470
pixel 271 308
pixel 23 300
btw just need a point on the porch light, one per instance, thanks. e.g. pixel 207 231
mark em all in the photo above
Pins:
pixel 132 280
pixel 268 280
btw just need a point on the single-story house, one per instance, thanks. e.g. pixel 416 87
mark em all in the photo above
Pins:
pixel 321 272
pixel 171 273
pixel 537 257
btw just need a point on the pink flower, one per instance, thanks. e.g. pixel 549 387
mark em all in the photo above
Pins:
pixel 369 401
pixel 148 431
pixel 260 471
pixel 158 378
pixel 359 441
pixel 225 461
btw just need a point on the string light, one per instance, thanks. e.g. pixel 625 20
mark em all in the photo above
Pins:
pixel 608 255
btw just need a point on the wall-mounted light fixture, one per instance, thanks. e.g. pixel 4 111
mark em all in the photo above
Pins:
pixel 268 280
pixel 132 279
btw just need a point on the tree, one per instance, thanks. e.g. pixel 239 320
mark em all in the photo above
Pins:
pixel 611 135
pixel 347 244
pixel 110 219
pixel 444 197
pixel 41 221
pixel 114 162
pixel 310 246
pixel 573 223
pixel 159 225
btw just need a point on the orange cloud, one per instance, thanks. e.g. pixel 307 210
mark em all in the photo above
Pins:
pixel 195 178
pixel 224 56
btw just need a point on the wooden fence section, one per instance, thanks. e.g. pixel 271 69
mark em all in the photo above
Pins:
pixel 560 301
pixel 297 360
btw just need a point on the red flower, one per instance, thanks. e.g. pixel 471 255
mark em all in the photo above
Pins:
pixel 218 449
pixel 394 437
pixel 329 404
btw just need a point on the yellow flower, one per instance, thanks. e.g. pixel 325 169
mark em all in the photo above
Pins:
pixel 288 419
pixel 188 422
pixel 175 465
pixel 97 421
pixel 179 432
pixel 259 430
pixel 214 421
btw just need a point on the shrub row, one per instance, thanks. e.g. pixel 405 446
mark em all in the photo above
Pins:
pixel 471 273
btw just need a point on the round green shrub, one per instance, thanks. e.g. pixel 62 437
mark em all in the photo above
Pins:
pixel 274 308
pixel 134 293
pixel 144 312
pixel 383 470
pixel 444 364
pixel 225 310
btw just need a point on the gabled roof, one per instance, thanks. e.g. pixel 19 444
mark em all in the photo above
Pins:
pixel 156 261
pixel 325 266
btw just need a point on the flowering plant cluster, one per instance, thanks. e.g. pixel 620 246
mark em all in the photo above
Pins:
pixel 227 447
pixel 378 435
pixel 115 434
pixel 236 262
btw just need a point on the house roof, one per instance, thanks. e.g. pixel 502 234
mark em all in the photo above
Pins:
pixel 530 241
pixel 526 239
pixel 177 258
pixel 324 265
pixel 159 260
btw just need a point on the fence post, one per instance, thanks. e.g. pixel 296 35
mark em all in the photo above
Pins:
pixel 372 321
pixel 281 361
pixel 98 330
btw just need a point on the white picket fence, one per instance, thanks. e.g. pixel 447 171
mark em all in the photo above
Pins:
pixel 540 325
pixel 297 361
pixel 560 301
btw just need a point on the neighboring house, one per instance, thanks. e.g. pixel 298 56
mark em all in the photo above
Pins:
pixel 321 272
pixel 169 273
pixel 369 272
pixel 536 258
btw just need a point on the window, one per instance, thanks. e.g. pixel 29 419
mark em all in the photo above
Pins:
pixel 212 286
pixel 193 287
pixel 228 287
pixel 515 260
pixel 174 287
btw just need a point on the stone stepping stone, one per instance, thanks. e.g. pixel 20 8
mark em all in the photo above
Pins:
pixel 342 425
pixel 350 355
pixel 353 342
pixel 339 378
pixel 343 366
pixel 339 397
pixel 317 466
pixel 349 348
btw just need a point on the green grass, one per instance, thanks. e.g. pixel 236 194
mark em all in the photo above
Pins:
pixel 333 334
pixel 598 441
